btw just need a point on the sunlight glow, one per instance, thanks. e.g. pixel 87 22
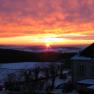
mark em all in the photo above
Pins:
pixel 44 39
pixel 47 45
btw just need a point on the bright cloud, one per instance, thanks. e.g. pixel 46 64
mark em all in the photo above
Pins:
pixel 61 17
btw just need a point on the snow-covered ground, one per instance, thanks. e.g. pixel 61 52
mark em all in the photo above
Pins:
pixel 3 92
pixel 15 67
pixel 23 65
pixel 8 68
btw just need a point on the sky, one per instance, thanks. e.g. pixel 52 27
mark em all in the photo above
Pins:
pixel 36 22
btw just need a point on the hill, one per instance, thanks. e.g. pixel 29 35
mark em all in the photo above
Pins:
pixel 11 55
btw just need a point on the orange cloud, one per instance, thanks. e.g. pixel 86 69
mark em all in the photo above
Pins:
pixel 61 17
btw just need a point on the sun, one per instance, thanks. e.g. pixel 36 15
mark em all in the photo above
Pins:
pixel 47 45
pixel 47 42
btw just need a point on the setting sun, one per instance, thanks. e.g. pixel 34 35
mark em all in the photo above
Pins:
pixel 47 45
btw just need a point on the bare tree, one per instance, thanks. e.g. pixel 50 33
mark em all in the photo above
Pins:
pixel 53 74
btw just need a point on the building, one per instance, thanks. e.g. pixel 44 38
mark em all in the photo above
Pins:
pixel 83 64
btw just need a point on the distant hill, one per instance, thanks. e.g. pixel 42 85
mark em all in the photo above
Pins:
pixel 10 55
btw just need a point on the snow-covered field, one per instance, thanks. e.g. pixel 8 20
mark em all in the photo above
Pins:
pixel 8 68
pixel 16 67
pixel 23 65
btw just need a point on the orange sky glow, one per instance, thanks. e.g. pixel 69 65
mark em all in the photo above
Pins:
pixel 46 22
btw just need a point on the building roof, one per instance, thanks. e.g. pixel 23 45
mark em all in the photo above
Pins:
pixel 85 54
pixel 87 81
pixel 91 87
pixel 88 52
pixel 78 57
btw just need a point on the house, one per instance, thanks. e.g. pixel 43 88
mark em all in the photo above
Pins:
pixel 83 64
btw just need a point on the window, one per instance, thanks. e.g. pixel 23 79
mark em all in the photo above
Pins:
pixel 92 71
pixel 81 70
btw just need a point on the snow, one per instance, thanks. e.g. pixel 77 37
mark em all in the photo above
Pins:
pixel 23 65
pixel 78 57
pixel 66 71
pixel 57 91
pixel 4 73
pixel 91 87
pixel 3 92
pixel 15 67
pixel 43 49
pixel 87 81
pixel 8 68
pixel 59 81
pixel 73 92
pixel 60 50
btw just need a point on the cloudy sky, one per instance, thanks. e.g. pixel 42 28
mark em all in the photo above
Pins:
pixel 27 19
